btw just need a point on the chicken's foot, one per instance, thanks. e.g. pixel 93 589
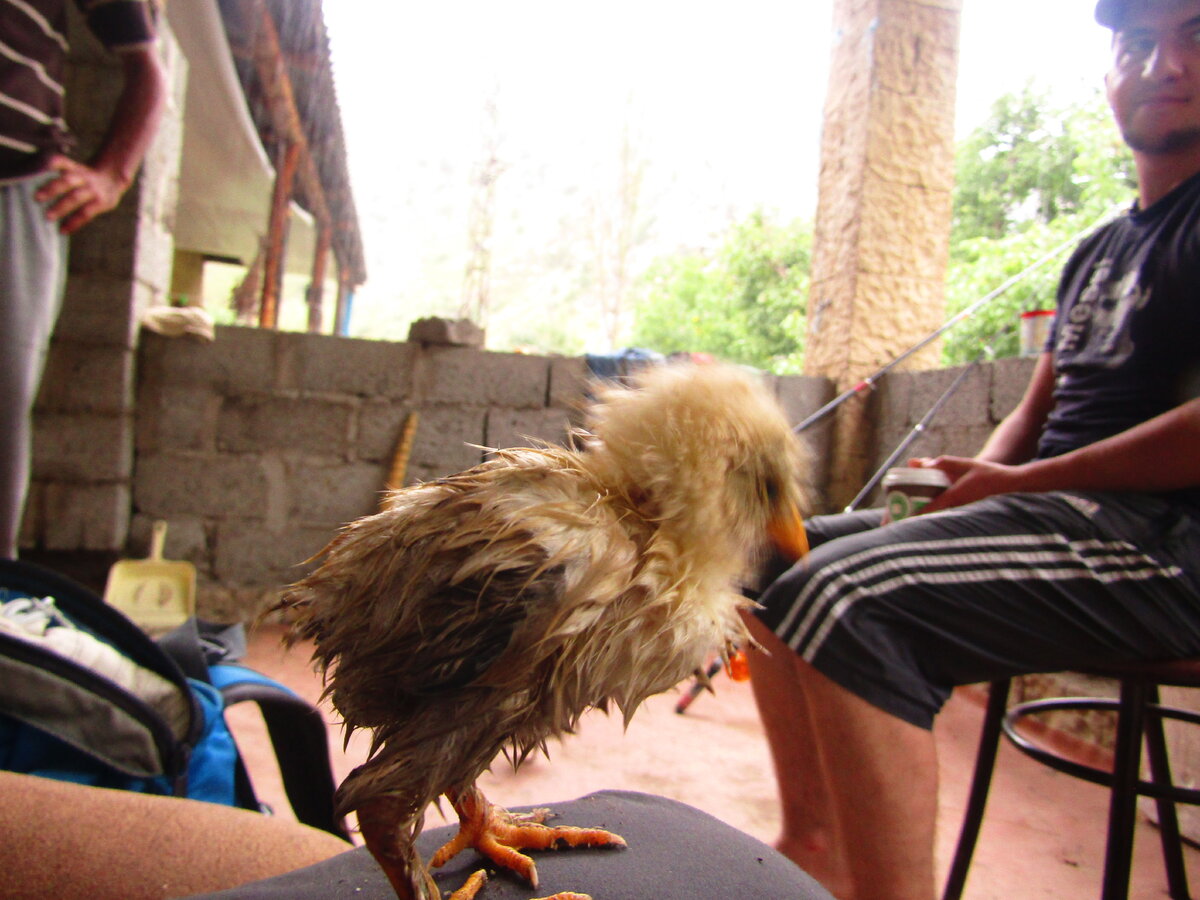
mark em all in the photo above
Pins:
pixel 500 836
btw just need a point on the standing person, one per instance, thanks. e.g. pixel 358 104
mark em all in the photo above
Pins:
pixel 46 195
pixel 1072 538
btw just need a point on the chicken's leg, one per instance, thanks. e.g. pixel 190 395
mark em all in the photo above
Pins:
pixel 499 836
pixel 388 835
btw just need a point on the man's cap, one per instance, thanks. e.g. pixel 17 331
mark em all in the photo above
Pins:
pixel 1109 13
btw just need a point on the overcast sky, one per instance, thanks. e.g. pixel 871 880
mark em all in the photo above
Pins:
pixel 723 101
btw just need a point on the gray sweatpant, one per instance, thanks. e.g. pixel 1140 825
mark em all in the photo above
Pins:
pixel 32 273
pixel 1010 585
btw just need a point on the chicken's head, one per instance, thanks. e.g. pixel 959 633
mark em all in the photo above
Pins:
pixel 707 453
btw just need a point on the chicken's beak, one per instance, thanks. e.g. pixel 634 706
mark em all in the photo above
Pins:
pixel 786 529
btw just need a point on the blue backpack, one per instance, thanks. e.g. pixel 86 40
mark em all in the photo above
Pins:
pixel 87 696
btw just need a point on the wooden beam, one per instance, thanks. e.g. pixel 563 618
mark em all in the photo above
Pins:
pixel 316 287
pixel 271 66
pixel 281 198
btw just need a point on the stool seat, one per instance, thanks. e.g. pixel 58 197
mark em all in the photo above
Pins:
pixel 1139 715
pixel 1174 672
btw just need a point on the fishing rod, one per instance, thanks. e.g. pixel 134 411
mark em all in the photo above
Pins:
pixel 868 383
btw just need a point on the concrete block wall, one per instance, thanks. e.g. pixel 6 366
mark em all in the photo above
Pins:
pixel 257 447
pixel 987 394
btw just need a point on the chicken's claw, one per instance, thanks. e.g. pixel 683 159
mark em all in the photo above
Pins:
pixel 468 891
pixel 478 879
pixel 500 836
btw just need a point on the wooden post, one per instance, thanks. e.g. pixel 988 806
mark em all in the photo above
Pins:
pixel 281 198
pixel 316 287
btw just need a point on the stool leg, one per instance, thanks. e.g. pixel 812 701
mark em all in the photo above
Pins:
pixel 1123 801
pixel 1168 819
pixel 985 762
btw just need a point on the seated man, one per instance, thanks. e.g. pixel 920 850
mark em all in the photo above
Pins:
pixel 1073 538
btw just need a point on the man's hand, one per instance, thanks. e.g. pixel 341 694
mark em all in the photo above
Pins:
pixel 971 479
pixel 77 193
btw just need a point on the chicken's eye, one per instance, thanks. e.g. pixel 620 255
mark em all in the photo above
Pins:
pixel 771 490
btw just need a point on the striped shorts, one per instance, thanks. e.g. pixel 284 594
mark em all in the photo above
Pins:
pixel 1010 585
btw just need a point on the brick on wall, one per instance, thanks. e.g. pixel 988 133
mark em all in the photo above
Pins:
pixel 518 427
pixel 265 422
pixel 464 376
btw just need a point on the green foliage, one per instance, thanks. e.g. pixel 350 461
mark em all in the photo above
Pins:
pixel 1033 177
pixel 744 302
pixel 1029 179
pixel 1016 167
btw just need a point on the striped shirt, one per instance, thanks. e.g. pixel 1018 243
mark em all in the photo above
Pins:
pixel 33 53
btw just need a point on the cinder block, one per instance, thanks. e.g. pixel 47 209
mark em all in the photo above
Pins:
pixel 446 332
pixel 239 359
pixel 246 554
pixel 1010 377
pixel 380 426
pixel 182 483
pixel 85 516
pixel 522 427
pixel 890 402
pixel 87 377
pixel 106 246
pixel 569 379
pixel 186 540
pixel 82 447
pixel 458 375
pixel 329 496
pixel 802 395
pixel 319 363
pixel 254 423
pixel 176 417
pixel 967 405
pixel 443 439
pixel 96 310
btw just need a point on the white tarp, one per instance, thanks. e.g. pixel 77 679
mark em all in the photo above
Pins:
pixel 225 177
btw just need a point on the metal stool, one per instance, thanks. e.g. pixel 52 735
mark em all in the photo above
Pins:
pixel 1138 714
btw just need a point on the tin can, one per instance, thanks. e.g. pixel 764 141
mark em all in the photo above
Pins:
pixel 1035 328
pixel 907 491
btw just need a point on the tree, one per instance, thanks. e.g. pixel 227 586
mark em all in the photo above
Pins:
pixel 745 302
pixel 1028 180
pixel 615 232
pixel 476 290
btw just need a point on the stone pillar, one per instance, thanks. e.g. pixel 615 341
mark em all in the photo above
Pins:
pixel 119 265
pixel 883 215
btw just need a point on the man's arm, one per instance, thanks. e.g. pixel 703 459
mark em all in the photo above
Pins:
pixel 1015 439
pixel 80 192
pixel 1160 454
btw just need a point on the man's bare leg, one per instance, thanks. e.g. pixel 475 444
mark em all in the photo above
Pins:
pixel 850 776
pixel 809 835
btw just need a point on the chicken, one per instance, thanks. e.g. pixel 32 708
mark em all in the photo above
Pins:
pixel 486 611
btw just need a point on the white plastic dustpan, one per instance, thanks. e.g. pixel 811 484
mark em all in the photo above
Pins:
pixel 158 594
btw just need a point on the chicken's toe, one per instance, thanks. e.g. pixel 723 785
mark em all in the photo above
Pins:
pixel 500 836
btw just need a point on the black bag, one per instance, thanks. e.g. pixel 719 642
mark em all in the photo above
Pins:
pixel 87 696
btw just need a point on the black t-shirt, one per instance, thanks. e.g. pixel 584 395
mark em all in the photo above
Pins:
pixel 1126 338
